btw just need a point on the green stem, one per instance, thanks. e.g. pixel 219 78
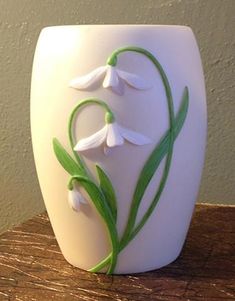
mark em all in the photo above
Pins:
pixel 163 145
pixel 107 216
pixel 173 134
pixel 101 206
pixel 73 114
pixel 112 60
pixel 157 196
pixel 125 241
pixel 102 264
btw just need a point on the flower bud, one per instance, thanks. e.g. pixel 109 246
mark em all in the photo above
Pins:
pixel 75 199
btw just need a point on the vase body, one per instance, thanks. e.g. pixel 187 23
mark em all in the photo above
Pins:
pixel 62 54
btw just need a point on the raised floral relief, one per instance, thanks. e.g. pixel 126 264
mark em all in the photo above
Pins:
pixel 75 199
pixel 101 191
pixel 112 78
pixel 111 135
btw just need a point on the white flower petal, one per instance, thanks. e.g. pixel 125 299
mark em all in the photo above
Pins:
pixel 107 150
pixel 92 141
pixel 119 89
pixel 83 82
pixel 134 137
pixel 114 137
pixel 75 199
pixel 134 80
pixel 111 78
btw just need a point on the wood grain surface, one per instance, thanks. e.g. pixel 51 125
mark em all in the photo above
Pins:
pixel 32 267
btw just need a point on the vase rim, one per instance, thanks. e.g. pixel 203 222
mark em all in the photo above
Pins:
pixel 183 27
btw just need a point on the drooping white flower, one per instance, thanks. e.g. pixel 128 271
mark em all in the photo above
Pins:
pixel 111 135
pixel 75 199
pixel 113 78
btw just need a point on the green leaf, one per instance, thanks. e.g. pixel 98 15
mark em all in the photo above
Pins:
pixel 154 161
pixel 108 191
pixel 182 113
pixel 68 163
pixel 160 150
pixel 181 116
pixel 98 200
pixel 95 194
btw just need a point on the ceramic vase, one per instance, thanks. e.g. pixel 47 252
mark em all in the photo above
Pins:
pixel 118 119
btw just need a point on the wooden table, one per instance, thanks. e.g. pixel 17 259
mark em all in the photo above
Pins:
pixel 32 267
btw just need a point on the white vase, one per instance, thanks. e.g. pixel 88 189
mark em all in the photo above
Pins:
pixel 166 135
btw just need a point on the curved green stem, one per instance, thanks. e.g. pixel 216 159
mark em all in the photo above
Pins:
pixel 98 200
pixel 132 230
pixel 173 132
pixel 82 103
pixel 128 234
pixel 125 240
pixel 102 264
pixel 157 195
pixel 87 183
pixel 163 146
pixel 112 60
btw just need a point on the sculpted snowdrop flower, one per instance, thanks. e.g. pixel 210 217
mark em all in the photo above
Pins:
pixel 112 77
pixel 75 199
pixel 111 135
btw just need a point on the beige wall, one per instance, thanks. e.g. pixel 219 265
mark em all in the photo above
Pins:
pixel 20 24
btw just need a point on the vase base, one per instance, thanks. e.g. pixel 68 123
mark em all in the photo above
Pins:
pixel 148 268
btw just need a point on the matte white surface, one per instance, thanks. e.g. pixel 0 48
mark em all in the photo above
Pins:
pixel 68 51
pixel 21 23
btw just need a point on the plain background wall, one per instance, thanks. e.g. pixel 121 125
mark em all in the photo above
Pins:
pixel 21 21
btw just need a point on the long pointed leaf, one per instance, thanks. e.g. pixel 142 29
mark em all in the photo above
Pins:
pixel 108 191
pixel 98 200
pixel 154 161
pixel 68 163
pixel 181 118
pixel 160 150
